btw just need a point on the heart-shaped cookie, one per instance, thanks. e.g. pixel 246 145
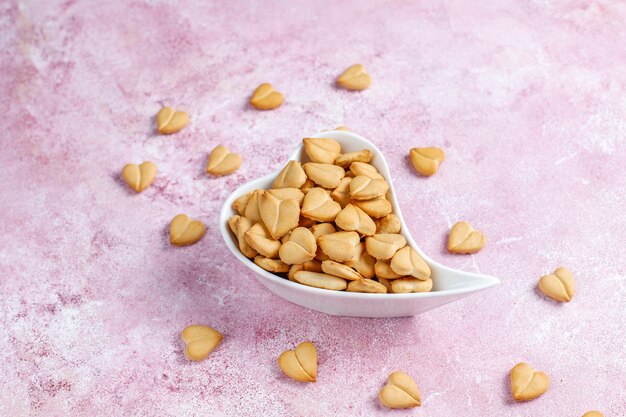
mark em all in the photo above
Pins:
pixel 266 98
pixel 559 285
pixel 388 224
pixel 526 383
pixel 139 177
pixel 383 270
pixel 319 206
pixel 200 340
pixel 299 248
pixel 361 168
pixel 259 238
pixel 321 150
pixel 353 218
pixel 384 245
pixel 365 188
pixel 362 261
pixel 300 364
pixel 239 226
pixel 344 160
pixel 407 262
pixel 426 160
pixel 279 216
pixel 339 246
pixel 222 161
pixel 185 231
pixel 292 175
pixel 376 207
pixel 171 121
pixel 251 210
pixel 240 203
pixel 400 392
pixel 464 239
pixel 341 194
pixel 324 175
pixel 354 78
pixel 288 194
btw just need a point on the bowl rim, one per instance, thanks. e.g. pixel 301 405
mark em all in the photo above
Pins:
pixel 229 238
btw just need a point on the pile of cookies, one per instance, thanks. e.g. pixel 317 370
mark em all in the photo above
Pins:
pixel 328 223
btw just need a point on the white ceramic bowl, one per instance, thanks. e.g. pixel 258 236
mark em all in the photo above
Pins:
pixel 448 284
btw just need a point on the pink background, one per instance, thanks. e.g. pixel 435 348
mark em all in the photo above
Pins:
pixel 528 99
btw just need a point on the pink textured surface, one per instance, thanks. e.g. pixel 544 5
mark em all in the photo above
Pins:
pixel 527 98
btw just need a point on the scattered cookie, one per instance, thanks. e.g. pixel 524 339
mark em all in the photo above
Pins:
pixel 185 231
pixel 222 162
pixel 426 160
pixel 171 121
pixel 300 364
pixel 559 285
pixel 266 98
pixel 200 340
pixel 593 414
pixel 139 177
pixel 464 239
pixel 354 78
pixel 400 392
pixel 526 383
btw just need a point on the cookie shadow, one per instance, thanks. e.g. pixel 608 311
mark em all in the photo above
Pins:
pixel 506 389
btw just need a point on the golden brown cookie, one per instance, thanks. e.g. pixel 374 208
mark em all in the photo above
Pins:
pixel 321 150
pixel 339 246
pixel 526 383
pixel 400 392
pixel 426 160
pixel 406 261
pixel 354 78
pixel 199 341
pixel 385 245
pixel 299 248
pixel 559 285
pixel 171 121
pixel 353 218
pixel 292 175
pixel 366 285
pixel 464 239
pixel 319 206
pixel 300 364
pixel 185 231
pixel 222 161
pixel 139 177
pixel 265 97
pixel 318 280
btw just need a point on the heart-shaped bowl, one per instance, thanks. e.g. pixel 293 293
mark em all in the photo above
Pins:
pixel 448 284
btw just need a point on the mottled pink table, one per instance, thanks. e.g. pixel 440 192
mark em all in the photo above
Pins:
pixel 528 99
